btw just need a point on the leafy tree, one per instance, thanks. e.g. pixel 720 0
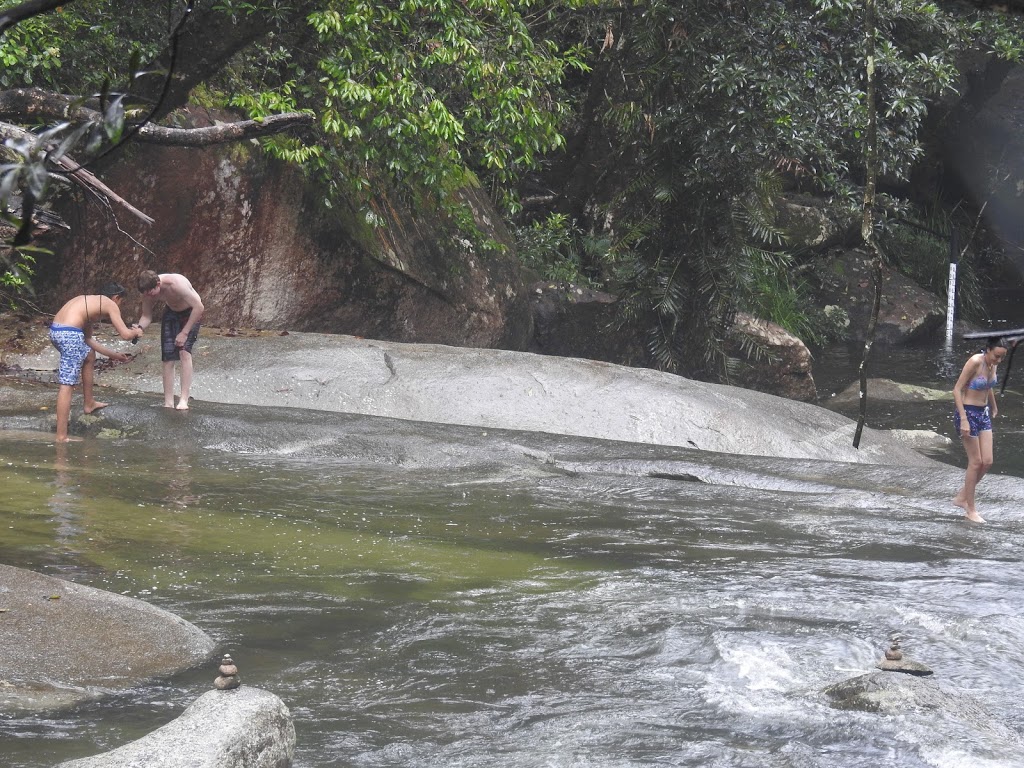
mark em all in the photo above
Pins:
pixel 708 107
pixel 34 46
pixel 419 95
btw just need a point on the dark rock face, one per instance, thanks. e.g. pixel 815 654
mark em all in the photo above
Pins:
pixel 572 321
pixel 908 313
pixel 985 152
pixel 264 251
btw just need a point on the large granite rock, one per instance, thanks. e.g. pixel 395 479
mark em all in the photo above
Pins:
pixel 255 238
pixel 494 388
pixel 908 313
pixel 241 728
pixel 901 695
pixel 787 372
pixel 62 643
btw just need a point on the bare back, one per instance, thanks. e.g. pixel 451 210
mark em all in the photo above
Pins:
pixel 82 311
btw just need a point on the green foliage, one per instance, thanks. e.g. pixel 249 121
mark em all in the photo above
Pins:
pixel 414 93
pixel 27 56
pixel 553 246
pixel 16 271
pixel 704 101
pixel 785 298
pixel 81 46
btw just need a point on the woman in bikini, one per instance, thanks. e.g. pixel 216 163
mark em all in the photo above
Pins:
pixel 975 398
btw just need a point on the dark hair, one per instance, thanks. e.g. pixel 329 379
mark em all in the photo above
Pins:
pixel 113 289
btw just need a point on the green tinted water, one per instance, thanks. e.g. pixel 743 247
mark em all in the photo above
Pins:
pixel 474 616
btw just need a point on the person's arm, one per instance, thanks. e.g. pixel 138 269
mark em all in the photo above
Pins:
pixel 114 313
pixel 105 351
pixel 958 392
pixel 146 313
pixel 993 409
pixel 196 304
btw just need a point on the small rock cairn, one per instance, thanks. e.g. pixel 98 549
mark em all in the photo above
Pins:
pixel 894 662
pixel 228 677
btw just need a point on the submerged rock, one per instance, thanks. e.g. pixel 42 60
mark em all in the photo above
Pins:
pixel 63 643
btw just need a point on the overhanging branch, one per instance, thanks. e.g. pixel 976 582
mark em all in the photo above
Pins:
pixel 21 105
pixel 76 173
pixel 224 132
pixel 27 10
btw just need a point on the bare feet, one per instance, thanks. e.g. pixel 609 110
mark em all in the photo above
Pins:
pixel 959 501
pixel 69 439
pixel 96 405
pixel 974 517
pixel 182 405
pixel 168 405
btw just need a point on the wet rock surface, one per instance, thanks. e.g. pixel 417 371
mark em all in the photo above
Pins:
pixel 62 643
pixel 495 389
pixel 241 728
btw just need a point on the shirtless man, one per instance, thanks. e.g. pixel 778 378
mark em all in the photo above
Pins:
pixel 71 334
pixel 179 327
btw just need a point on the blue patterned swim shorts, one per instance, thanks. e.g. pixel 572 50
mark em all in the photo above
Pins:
pixel 70 342
pixel 977 416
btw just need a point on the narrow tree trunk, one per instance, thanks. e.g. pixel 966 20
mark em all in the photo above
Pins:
pixel 867 226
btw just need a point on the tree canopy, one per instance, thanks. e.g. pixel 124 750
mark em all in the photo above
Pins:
pixel 659 133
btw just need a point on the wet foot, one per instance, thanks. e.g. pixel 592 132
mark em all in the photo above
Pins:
pixel 182 405
pixel 168 405
pixel 974 517
pixel 958 501
pixel 95 406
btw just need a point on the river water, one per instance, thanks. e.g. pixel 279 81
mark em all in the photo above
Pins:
pixel 418 600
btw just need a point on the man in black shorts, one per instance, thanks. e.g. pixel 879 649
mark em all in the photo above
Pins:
pixel 179 327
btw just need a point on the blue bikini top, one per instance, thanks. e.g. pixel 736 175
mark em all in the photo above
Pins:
pixel 980 382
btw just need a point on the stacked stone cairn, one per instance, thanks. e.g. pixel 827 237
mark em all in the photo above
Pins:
pixel 895 662
pixel 228 677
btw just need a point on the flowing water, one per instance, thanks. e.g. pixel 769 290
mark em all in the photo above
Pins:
pixel 594 604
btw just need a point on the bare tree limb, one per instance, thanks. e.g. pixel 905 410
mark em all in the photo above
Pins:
pixel 223 132
pixel 24 104
pixel 27 10
pixel 77 173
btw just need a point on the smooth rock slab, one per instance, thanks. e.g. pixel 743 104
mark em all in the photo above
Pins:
pixel 242 728
pixel 62 643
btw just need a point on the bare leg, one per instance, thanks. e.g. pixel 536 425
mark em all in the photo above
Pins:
pixel 63 411
pixel 168 383
pixel 979 460
pixel 88 371
pixel 186 380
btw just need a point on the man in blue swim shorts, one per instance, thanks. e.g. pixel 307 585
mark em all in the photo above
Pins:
pixel 179 327
pixel 71 334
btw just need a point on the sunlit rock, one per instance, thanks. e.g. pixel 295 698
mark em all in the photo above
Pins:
pixel 241 728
